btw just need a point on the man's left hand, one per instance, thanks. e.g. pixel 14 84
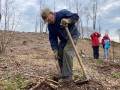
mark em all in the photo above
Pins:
pixel 55 53
pixel 65 22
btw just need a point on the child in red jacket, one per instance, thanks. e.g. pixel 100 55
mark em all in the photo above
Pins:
pixel 106 42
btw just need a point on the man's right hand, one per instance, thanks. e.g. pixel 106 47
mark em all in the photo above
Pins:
pixel 65 21
pixel 55 52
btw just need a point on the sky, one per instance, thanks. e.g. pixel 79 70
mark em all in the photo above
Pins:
pixel 27 11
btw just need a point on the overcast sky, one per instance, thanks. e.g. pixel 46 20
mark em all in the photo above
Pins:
pixel 30 9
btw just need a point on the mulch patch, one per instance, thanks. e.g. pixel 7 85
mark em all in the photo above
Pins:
pixel 104 69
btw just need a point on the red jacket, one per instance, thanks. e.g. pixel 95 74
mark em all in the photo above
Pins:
pixel 105 38
pixel 95 41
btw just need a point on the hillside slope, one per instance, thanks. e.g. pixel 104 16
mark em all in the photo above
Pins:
pixel 30 54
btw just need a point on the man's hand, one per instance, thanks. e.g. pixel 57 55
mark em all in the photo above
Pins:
pixel 65 22
pixel 55 52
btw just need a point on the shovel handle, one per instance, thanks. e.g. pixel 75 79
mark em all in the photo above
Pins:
pixel 78 56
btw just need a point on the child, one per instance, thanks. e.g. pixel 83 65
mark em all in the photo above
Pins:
pixel 106 45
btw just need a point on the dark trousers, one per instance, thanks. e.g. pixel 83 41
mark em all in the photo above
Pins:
pixel 95 52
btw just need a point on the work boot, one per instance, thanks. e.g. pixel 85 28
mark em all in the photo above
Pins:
pixel 66 80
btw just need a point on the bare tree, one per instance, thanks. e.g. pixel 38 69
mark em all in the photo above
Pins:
pixel 36 24
pixel 81 28
pixel 0 11
pixel 2 46
pixel 100 20
pixel 54 5
pixel 13 19
pixel 8 12
pixel 67 4
pixel 118 32
pixel 79 9
pixel 46 28
pixel 96 5
pixel 94 13
pixel 99 23
pixel 40 18
pixel 78 6
pixel 107 31
pixel 87 16
pixel 17 22
pixel 42 6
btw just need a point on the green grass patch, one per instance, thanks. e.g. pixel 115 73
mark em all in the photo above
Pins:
pixel 116 75
pixel 78 70
pixel 44 62
pixel 15 83
pixel 79 76
pixel 98 61
pixel 53 74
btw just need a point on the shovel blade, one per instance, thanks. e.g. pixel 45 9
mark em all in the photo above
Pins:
pixel 87 79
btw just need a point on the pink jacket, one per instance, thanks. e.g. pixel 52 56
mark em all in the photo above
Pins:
pixel 105 38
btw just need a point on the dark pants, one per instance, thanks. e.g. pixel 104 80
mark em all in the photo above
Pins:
pixel 95 52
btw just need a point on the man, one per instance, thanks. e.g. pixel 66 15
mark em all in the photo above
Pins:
pixel 95 44
pixel 106 45
pixel 63 50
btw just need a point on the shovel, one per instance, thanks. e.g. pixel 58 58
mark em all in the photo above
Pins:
pixel 87 77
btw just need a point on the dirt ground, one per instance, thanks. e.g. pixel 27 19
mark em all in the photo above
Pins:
pixel 28 56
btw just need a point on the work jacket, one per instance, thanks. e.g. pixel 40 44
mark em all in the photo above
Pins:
pixel 95 40
pixel 56 30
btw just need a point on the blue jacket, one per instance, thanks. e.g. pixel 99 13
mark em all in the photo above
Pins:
pixel 56 30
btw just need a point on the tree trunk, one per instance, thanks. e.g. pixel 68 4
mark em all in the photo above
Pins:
pixel 0 11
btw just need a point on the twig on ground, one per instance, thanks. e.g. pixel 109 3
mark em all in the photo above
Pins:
pixel 42 78
pixel 52 85
pixel 37 87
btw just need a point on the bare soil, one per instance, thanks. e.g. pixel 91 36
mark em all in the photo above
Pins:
pixel 31 54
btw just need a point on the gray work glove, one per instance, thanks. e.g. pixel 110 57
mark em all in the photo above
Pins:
pixel 55 53
pixel 65 22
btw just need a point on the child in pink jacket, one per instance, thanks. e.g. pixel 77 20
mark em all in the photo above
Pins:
pixel 106 45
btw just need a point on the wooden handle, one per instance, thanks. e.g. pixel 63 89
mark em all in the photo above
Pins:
pixel 111 52
pixel 106 50
pixel 79 59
